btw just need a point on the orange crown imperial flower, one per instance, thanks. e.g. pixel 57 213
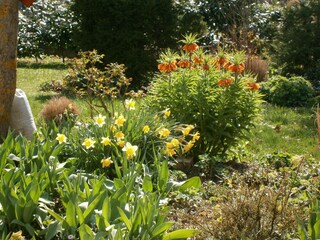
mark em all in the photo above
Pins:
pixel 254 86
pixel 184 63
pixel 191 47
pixel 236 68
pixel 167 67
pixel 225 82
pixel 198 60
pixel 206 67
pixel 221 61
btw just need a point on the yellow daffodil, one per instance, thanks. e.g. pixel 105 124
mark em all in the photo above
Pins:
pixel 130 150
pixel 120 121
pixel 175 142
pixel 88 143
pixel 130 104
pixel 106 162
pixel 169 145
pixel 61 138
pixel 188 146
pixel 100 120
pixel 170 152
pixel 119 135
pixel 166 113
pixel 106 141
pixel 146 129
pixel 187 130
pixel 113 128
pixel 17 236
pixel 121 143
pixel 196 137
pixel 164 132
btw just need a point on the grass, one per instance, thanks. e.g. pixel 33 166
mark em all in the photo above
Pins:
pixel 31 75
pixel 286 130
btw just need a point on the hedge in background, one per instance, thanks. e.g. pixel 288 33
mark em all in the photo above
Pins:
pixel 289 92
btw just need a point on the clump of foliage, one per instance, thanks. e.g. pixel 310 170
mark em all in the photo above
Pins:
pixel 107 137
pixel 94 84
pixel 297 48
pixel 59 109
pixel 256 201
pixel 209 91
pixel 289 92
pixel 279 160
pixel 43 198
pixel 312 230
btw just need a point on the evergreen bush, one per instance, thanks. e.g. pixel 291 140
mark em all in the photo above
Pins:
pixel 289 92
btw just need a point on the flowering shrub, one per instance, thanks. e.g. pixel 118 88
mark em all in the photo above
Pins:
pixel 97 86
pixel 210 92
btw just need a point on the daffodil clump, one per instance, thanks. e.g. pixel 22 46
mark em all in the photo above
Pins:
pixel 181 142
pixel 107 141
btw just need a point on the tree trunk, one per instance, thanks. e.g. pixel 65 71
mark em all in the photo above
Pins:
pixel 8 60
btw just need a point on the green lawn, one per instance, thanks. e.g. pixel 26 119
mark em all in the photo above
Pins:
pixel 31 75
pixel 286 130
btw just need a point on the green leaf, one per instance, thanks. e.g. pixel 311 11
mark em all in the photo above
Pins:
pixel 80 215
pixel 316 228
pixel 302 231
pixel 164 176
pixel 181 234
pixel 118 183
pixel 194 182
pixel 55 215
pixel 92 206
pixel 28 211
pixel 147 184
pixel 125 219
pixel 106 211
pixel 52 230
pixel 71 214
pixel 161 228
pixel 85 232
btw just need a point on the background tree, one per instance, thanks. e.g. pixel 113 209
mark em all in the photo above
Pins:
pixel 298 46
pixel 8 60
pixel 132 32
pixel 47 28
pixel 241 24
